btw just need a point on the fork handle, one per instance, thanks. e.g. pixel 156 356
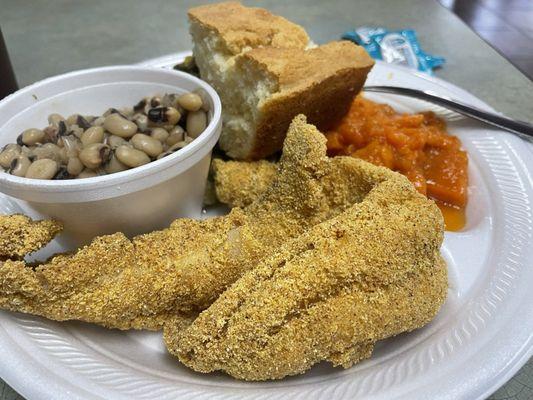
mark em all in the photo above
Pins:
pixel 520 128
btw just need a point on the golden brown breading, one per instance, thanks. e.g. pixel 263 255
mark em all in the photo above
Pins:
pixel 19 235
pixel 336 254
pixel 239 183
pixel 139 283
pixel 102 283
pixel 371 272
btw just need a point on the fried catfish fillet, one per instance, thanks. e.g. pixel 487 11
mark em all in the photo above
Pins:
pixel 19 235
pixel 371 272
pixel 141 283
pixel 239 183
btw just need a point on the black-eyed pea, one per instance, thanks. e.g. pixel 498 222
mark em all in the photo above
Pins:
pixel 170 100
pixel 54 119
pixel 62 128
pixel 31 137
pixel 114 141
pixel 114 165
pixel 159 134
pixel 120 126
pixel 147 144
pixel 176 134
pixel 159 116
pixel 175 147
pixel 94 134
pixel 95 155
pixel 82 122
pixel 173 115
pixel 47 150
pixel 42 169
pixel 19 166
pixel 87 173
pixel 74 166
pixel 155 101
pixel 196 123
pixel 131 157
pixel 8 154
pixel 190 101
pixel 110 111
pixel 141 121
pixel 98 121
pixel 72 119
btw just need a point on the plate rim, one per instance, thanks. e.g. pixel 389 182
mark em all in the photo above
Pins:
pixel 516 364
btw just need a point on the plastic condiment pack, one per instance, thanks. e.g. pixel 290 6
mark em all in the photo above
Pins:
pixel 399 47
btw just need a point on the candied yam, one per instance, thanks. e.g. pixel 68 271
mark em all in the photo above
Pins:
pixel 377 153
pixel 446 174
pixel 416 145
pixel 410 120
pixel 431 119
pixel 355 137
pixel 397 138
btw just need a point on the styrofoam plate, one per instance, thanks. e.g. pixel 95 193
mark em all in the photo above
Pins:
pixel 481 337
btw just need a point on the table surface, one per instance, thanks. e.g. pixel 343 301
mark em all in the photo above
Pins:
pixel 46 38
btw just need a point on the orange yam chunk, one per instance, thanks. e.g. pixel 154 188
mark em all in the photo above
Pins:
pixel 446 175
pixel 377 153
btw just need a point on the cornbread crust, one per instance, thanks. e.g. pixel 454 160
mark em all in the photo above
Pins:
pixel 265 75
pixel 320 83
pixel 240 27
pixel 19 235
pixel 141 283
pixel 369 273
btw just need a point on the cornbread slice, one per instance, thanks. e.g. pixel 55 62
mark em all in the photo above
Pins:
pixel 265 74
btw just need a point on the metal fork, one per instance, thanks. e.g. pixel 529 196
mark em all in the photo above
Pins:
pixel 520 128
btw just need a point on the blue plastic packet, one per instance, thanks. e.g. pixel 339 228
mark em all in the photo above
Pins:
pixel 395 47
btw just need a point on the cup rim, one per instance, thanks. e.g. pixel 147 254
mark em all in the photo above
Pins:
pixel 53 186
